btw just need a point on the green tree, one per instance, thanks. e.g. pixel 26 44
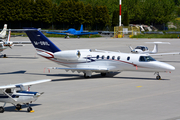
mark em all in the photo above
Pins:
pixel 115 18
pixel 101 16
pixel 88 15
pixel 126 18
pixel 42 11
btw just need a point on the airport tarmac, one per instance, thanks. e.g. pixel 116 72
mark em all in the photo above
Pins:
pixel 125 96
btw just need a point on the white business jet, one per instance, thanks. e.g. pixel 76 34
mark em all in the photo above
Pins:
pixel 87 61
pixel 17 95
pixel 144 50
pixel 4 44
pixel 3 32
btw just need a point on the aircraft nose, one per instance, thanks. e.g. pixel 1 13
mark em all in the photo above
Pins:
pixel 167 67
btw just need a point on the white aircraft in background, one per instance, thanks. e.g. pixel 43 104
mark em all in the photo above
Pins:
pixel 17 95
pixel 4 44
pixel 87 61
pixel 3 32
pixel 144 50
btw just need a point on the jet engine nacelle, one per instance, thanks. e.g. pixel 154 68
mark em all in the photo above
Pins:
pixel 68 55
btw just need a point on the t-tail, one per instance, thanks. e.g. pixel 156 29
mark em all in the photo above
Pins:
pixel 3 32
pixel 81 29
pixel 155 50
pixel 40 41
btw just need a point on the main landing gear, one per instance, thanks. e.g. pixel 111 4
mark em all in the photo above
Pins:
pixel 18 107
pixel 103 74
pixel 158 77
pixel 1 109
pixel 89 73
pixel 3 55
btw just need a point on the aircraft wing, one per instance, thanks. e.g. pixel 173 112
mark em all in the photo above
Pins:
pixel 81 69
pixel 24 84
pixel 160 54
pixel 56 33
pixel 86 33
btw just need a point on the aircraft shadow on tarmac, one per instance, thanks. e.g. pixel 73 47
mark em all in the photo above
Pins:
pixel 23 57
pixel 80 76
pixel 12 108
pixel 99 76
pixel 20 57
pixel 16 72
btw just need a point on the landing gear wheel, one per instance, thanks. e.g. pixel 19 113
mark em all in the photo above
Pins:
pixel 158 77
pixel 29 109
pixel 103 74
pixel 85 76
pixel 4 56
pixel 18 107
pixel 1 109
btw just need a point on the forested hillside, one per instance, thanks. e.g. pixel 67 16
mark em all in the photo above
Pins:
pixel 94 14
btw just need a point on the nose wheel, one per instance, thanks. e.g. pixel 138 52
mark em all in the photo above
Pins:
pixel 29 109
pixel 158 77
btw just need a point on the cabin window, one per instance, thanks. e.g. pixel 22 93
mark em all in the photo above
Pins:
pixel 17 96
pixel 97 56
pixel 113 57
pixel 128 58
pixel 103 57
pixel 8 90
pixel 118 58
pixel 107 57
pixel 78 54
pixel 146 59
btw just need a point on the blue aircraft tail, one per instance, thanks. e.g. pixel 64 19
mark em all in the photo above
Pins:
pixel 40 41
pixel 81 29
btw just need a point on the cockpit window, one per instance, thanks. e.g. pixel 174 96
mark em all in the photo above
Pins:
pixel 146 59
pixel 143 48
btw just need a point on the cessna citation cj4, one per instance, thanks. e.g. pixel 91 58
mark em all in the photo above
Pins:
pixel 86 61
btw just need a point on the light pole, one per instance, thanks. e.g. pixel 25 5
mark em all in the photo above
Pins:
pixel 119 12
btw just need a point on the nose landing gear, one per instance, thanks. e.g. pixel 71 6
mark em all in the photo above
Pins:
pixel 158 77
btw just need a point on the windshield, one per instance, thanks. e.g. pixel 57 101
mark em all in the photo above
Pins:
pixel 146 59
pixel 142 48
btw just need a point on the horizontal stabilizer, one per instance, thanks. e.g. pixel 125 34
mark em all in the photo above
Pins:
pixel 160 54
pixel 157 42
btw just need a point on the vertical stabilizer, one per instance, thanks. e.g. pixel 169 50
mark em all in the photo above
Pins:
pixel 81 29
pixel 155 50
pixel 9 36
pixel 3 32
pixel 40 41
